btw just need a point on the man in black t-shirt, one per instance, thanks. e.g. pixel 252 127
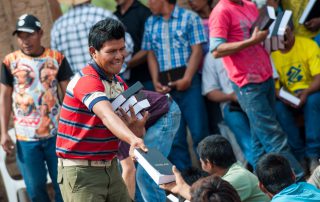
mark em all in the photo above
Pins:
pixel 133 15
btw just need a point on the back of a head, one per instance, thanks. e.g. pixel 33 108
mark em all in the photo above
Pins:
pixel 105 30
pixel 213 189
pixel 274 172
pixel 192 174
pixel 217 150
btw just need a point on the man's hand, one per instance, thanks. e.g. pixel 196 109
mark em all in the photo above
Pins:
pixel 313 24
pixel 134 124
pixel 303 95
pixel 180 84
pixel 137 143
pixel 258 35
pixel 233 97
pixel 161 88
pixel 7 143
pixel 179 186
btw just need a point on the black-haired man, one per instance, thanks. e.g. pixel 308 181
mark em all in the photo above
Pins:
pixel 277 180
pixel 89 130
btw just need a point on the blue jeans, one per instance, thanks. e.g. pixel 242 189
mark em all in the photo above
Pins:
pixel 194 116
pixel 258 101
pixel 160 136
pixel 238 123
pixel 311 111
pixel 32 158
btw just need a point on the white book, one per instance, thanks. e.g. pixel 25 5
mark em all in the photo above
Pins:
pixel 267 42
pixel 307 11
pixel 172 198
pixel 282 28
pixel 138 107
pixel 156 165
pixel 132 101
pixel 289 97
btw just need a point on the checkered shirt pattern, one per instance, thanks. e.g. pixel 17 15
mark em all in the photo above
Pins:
pixel 69 34
pixel 171 40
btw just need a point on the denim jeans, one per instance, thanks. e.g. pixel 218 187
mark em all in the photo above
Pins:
pixel 160 136
pixel 311 111
pixel 194 116
pixel 32 159
pixel 238 123
pixel 258 101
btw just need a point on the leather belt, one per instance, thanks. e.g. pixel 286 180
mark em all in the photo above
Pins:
pixel 79 162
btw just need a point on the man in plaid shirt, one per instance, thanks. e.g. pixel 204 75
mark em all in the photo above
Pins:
pixel 173 38
pixel 69 33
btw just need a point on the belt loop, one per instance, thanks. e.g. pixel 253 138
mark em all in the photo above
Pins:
pixel 89 163
pixel 61 162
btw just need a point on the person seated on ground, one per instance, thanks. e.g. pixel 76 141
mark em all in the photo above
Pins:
pixel 214 189
pixel 277 180
pixel 315 178
pixel 217 158
pixel 298 67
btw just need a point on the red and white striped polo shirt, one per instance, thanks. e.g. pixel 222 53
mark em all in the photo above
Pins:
pixel 81 134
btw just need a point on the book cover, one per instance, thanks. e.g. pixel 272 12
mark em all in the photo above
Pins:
pixel 139 106
pixel 156 165
pixel 266 16
pixel 133 100
pixel 282 28
pixel 312 10
pixel 267 41
pixel 121 98
pixel 274 35
pixel 289 97
pixel 171 75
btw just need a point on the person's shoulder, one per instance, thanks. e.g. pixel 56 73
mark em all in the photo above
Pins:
pixel 304 41
pixel 11 57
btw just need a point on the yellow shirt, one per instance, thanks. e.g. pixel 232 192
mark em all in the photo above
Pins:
pixel 297 68
pixel 297 7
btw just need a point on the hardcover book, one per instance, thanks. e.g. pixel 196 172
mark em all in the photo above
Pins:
pixel 312 10
pixel 171 75
pixel 274 35
pixel 120 99
pixel 133 100
pixel 289 97
pixel 139 107
pixel 156 165
pixel 266 17
pixel 282 28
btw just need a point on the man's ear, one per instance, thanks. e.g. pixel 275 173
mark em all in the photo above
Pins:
pixel 92 51
pixel 264 190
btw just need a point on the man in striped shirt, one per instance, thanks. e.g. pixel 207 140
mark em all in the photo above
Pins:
pixel 89 130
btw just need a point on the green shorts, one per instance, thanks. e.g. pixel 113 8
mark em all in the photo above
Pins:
pixel 88 183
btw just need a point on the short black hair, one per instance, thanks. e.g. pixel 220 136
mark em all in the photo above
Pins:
pixel 192 174
pixel 105 30
pixel 172 1
pixel 274 172
pixel 213 189
pixel 217 150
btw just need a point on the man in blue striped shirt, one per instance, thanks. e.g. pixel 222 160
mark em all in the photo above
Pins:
pixel 173 38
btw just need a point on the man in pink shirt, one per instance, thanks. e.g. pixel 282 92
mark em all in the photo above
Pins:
pixel 249 68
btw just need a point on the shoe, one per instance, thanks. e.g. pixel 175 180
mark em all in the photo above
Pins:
pixel 313 164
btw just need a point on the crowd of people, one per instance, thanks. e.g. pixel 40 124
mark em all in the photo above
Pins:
pixel 210 55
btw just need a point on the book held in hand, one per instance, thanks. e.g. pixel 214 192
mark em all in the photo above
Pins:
pixel 289 97
pixel 156 165
pixel 266 17
pixel 171 75
pixel 139 107
pixel 133 100
pixel 312 10
pixel 121 98
pixel 282 28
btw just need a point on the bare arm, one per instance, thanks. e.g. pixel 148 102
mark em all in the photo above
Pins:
pixel 219 96
pixel 103 110
pixel 314 87
pixel 230 48
pixel 154 71
pixel 139 58
pixel 5 111
pixel 129 176
pixel 63 87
